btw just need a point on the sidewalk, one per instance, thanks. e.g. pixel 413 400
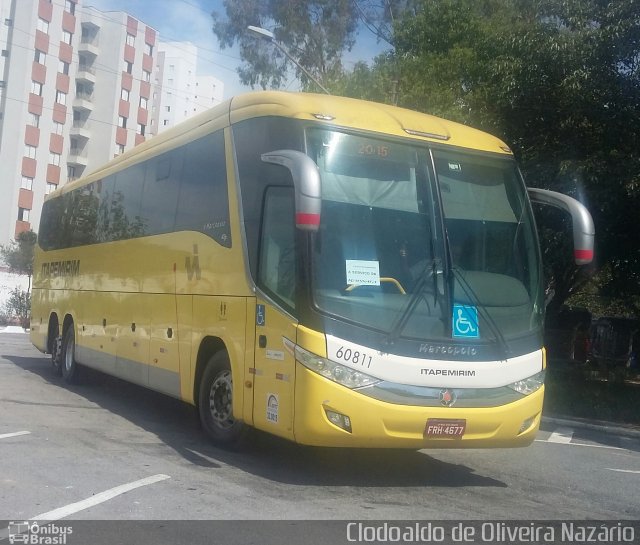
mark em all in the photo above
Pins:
pixel 12 329
pixel 612 428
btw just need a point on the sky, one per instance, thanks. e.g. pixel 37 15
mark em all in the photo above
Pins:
pixel 190 20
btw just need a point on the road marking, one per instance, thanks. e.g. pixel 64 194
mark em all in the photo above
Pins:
pixel 561 435
pixel 101 497
pixel 579 444
pixel 622 470
pixel 14 434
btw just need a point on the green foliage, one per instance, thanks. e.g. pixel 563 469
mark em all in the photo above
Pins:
pixel 19 306
pixel 18 255
pixel 316 33
pixel 558 80
pixel 579 392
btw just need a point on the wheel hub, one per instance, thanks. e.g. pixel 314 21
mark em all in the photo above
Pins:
pixel 220 400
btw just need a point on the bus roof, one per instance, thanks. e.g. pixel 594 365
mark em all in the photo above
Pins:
pixel 333 110
pixel 360 114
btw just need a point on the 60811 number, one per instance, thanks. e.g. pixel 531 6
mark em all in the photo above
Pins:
pixel 354 356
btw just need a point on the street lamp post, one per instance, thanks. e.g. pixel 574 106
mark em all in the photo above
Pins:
pixel 265 34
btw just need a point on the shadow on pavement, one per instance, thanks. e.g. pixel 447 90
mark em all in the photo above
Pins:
pixel 175 424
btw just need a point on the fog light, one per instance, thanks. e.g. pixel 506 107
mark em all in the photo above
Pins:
pixel 340 420
pixel 526 424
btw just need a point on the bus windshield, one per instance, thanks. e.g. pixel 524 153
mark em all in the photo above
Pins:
pixel 432 258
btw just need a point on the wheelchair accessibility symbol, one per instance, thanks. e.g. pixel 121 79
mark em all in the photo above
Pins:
pixel 465 322
pixel 260 319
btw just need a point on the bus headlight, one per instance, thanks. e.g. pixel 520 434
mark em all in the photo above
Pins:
pixel 528 385
pixel 341 374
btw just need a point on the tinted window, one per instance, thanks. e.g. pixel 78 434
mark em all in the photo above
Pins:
pixel 161 189
pixel 277 269
pixel 51 215
pixel 104 192
pixel 125 214
pixel 84 215
pixel 183 189
pixel 203 203
pixel 253 138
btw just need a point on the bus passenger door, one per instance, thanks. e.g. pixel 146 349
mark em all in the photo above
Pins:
pixel 274 371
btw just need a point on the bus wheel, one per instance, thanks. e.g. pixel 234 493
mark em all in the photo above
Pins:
pixel 68 358
pixel 215 402
pixel 56 355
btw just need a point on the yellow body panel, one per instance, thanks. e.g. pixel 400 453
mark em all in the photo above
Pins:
pixel 385 425
pixel 361 115
pixel 274 372
pixel 143 308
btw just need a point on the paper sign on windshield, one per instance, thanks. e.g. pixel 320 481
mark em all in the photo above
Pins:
pixel 363 273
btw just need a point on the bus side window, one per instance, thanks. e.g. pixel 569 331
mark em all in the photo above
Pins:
pixel 160 194
pixel 277 265
pixel 203 203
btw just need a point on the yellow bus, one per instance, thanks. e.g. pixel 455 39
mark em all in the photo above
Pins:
pixel 328 270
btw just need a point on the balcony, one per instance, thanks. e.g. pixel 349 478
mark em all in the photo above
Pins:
pixel 83 101
pixel 81 129
pixel 77 156
pixel 86 74
pixel 89 44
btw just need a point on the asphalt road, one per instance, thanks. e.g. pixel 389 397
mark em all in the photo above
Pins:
pixel 108 450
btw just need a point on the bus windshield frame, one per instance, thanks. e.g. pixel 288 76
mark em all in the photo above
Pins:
pixel 390 254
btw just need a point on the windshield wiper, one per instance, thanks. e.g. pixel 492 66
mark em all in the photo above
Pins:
pixel 473 296
pixel 430 271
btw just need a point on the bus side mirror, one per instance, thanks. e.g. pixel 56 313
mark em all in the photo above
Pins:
pixel 583 230
pixel 306 181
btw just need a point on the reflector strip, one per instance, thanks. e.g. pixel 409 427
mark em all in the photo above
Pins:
pixel 583 254
pixel 307 219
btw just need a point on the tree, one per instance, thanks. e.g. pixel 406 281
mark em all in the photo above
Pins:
pixel 315 32
pixel 559 80
pixel 18 255
pixel 19 305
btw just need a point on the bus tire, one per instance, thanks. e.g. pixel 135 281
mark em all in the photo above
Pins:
pixel 56 355
pixel 215 403
pixel 68 357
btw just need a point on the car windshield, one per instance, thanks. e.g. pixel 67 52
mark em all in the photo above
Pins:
pixel 380 255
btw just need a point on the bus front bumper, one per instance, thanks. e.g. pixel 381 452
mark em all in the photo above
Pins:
pixel 378 424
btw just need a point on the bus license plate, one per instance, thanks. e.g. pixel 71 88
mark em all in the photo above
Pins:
pixel 445 427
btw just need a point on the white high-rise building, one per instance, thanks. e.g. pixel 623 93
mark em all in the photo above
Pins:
pixel 39 41
pixel 77 87
pixel 182 92
pixel 113 88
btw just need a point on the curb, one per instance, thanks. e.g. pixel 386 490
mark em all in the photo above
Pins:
pixel 604 427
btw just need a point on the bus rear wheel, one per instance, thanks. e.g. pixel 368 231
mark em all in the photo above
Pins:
pixel 56 355
pixel 68 357
pixel 215 403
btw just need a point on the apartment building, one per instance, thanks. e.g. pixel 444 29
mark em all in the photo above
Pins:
pixel 68 104
pixel 79 86
pixel 182 92
pixel 38 40
pixel 113 88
